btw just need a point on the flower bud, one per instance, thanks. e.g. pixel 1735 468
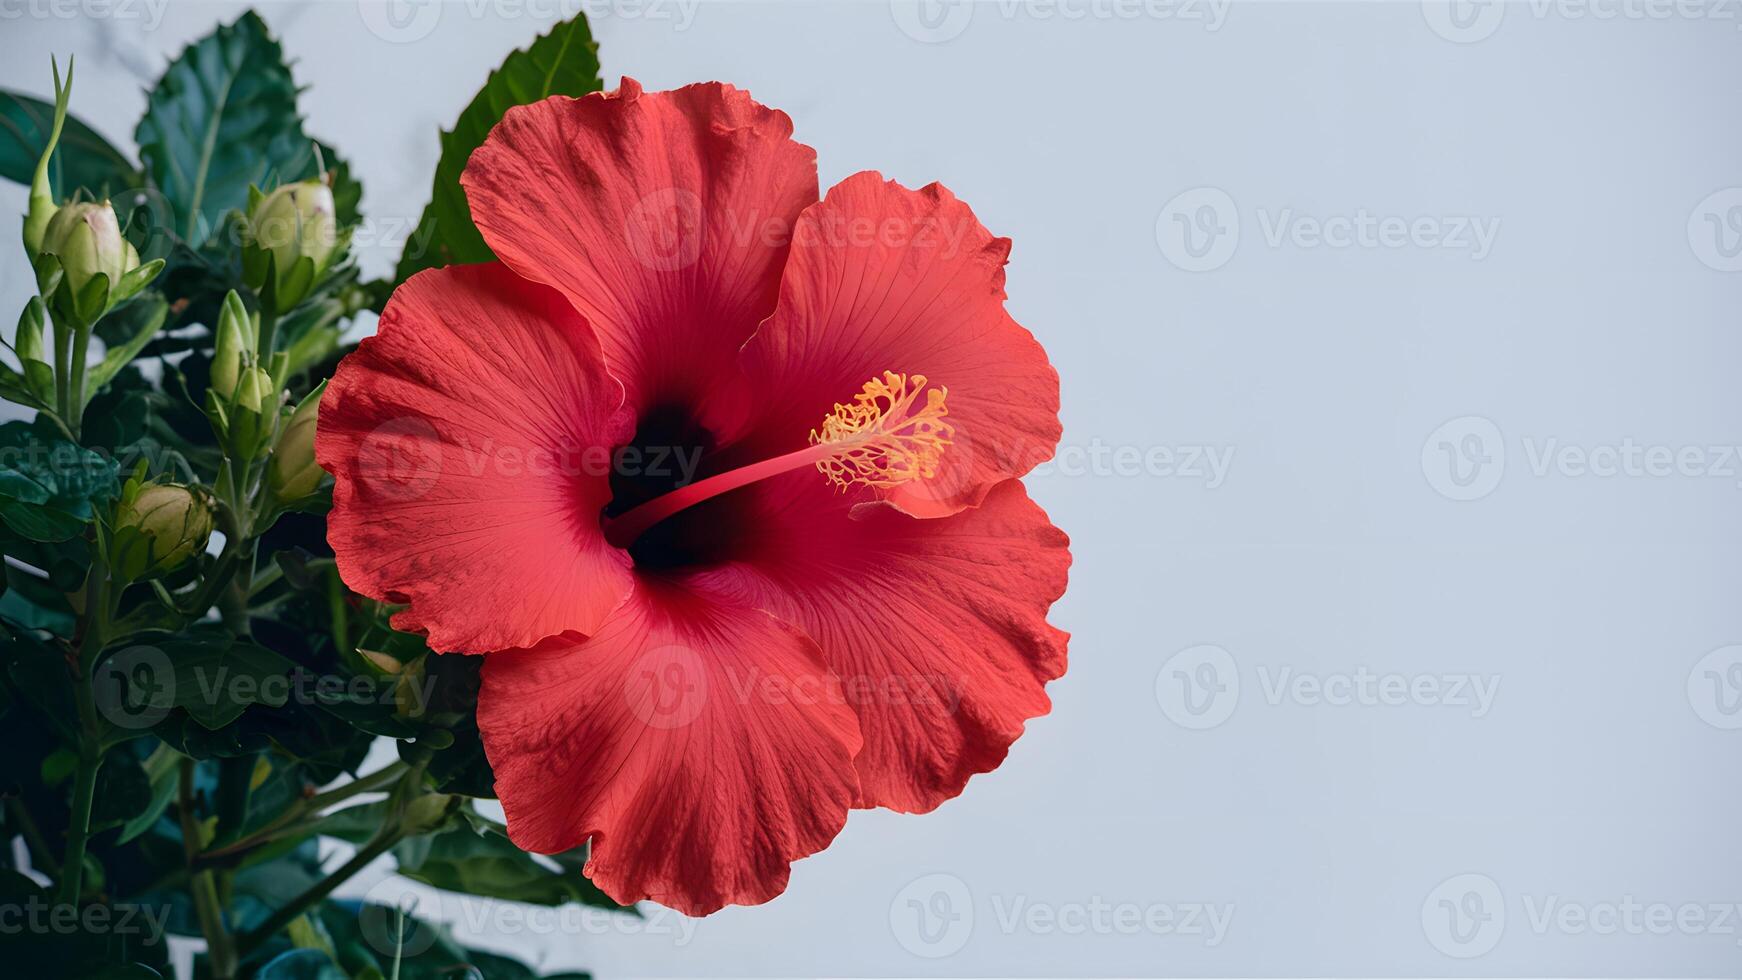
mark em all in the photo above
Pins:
pixel 253 414
pixel 427 813
pixel 42 207
pixel 254 389
pixel 37 217
pixel 87 239
pixel 294 474
pixel 235 345
pixel 157 528
pixel 295 222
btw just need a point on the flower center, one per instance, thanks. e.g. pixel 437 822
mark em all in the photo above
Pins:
pixel 883 438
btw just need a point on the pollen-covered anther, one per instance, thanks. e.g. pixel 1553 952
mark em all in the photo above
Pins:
pixel 885 436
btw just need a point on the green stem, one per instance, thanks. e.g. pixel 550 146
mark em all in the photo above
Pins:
pixel 381 844
pixel 408 779
pixel 379 779
pixel 76 397
pixel 220 573
pixel 220 953
pixel 210 911
pixel 292 818
pixel 235 785
pixel 62 377
pixel 231 589
pixel 233 601
pixel 264 580
pixel 95 627
pixel 60 424
pixel 78 832
pixel 268 328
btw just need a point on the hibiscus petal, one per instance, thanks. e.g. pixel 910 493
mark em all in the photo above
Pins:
pixel 700 745
pixel 882 278
pixel 936 628
pixel 469 440
pixel 664 217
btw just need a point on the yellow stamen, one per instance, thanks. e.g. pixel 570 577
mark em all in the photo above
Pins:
pixel 883 440
pixel 880 440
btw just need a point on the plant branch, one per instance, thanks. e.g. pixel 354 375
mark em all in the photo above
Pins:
pixel 94 627
pixel 292 818
pixel 407 781
pixel 76 390
pixel 207 908
pixel 292 910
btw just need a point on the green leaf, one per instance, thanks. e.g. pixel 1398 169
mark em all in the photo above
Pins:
pixel 562 62
pixel 49 487
pixel 204 671
pixel 22 612
pixel 38 673
pixel 222 118
pixel 161 769
pixel 35 601
pixel 475 856
pixel 84 159
pixel 217 677
pixel 367 936
pixel 123 790
pixel 75 948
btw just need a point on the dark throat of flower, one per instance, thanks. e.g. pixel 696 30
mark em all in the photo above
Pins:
pixel 886 436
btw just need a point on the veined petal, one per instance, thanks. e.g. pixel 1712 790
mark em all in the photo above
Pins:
pixel 664 217
pixel 697 743
pixel 882 278
pixel 470 439
pixel 937 628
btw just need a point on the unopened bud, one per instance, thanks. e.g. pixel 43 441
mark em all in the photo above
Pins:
pixel 295 222
pixel 158 527
pixel 254 389
pixel 294 473
pixel 427 813
pixel 42 207
pixel 87 240
pixel 40 212
pixel 253 414
pixel 235 345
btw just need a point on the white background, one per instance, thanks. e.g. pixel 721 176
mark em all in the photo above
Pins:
pixel 1359 389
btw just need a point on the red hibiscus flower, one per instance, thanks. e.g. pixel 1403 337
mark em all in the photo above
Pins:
pixel 725 476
